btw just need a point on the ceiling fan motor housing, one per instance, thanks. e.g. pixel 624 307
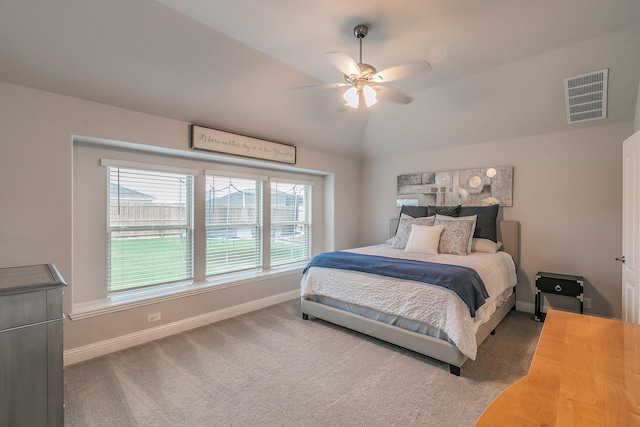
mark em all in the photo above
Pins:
pixel 361 31
pixel 367 72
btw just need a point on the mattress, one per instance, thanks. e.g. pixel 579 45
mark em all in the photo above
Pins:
pixel 415 306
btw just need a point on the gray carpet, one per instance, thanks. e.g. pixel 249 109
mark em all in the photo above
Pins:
pixel 271 368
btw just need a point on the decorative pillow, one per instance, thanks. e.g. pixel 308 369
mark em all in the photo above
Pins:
pixel 444 210
pixel 424 239
pixel 402 215
pixel 404 230
pixel 413 212
pixel 471 219
pixel 485 245
pixel 457 235
pixel 486 227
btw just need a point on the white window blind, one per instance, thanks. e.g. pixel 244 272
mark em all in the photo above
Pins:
pixel 149 228
pixel 234 224
pixel 290 222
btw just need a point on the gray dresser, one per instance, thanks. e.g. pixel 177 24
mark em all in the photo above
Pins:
pixel 31 364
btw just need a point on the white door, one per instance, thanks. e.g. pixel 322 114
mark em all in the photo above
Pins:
pixel 631 228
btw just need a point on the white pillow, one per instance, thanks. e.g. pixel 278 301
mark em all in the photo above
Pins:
pixel 472 219
pixel 404 229
pixel 424 239
pixel 485 245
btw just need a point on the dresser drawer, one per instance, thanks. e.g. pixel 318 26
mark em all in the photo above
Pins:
pixel 22 309
pixel 559 285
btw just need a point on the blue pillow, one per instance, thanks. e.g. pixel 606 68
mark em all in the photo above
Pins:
pixel 414 211
pixel 486 224
pixel 444 210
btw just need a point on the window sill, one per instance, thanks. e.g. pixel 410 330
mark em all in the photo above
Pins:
pixel 140 298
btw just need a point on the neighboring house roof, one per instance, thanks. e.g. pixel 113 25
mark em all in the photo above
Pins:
pixel 236 198
pixel 125 193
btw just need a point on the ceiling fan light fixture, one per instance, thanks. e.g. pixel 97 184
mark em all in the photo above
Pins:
pixel 352 97
pixel 369 95
pixel 364 80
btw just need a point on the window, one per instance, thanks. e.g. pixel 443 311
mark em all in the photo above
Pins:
pixel 290 222
pixel 151 224
pixel 149 228
pixel 233 220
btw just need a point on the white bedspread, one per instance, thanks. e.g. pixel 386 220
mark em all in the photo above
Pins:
pixel 434 305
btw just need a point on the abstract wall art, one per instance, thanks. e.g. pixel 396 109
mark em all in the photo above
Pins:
pixel 470 187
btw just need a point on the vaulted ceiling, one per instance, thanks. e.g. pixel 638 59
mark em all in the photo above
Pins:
pixel 498 66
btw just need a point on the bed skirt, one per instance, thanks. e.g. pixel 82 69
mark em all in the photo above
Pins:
pixel 436 348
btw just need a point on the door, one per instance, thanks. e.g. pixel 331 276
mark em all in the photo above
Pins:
pixel 631 228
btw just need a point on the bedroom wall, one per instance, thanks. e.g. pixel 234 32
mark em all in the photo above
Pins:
pixel 567 197
pixel 36 224
pixel 636 120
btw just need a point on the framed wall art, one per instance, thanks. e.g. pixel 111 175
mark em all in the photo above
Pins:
pixel 470 187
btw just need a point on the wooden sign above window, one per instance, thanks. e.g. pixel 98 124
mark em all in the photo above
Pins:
pixel 238 145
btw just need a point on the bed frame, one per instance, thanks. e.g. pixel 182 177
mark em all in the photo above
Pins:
pixel 433 347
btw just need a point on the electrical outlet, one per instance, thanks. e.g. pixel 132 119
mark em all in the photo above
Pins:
pixel 153 317
pixel 587 302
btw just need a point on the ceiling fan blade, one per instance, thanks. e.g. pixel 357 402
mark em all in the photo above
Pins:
pixel 318 87
pixel 402 71
pixel 344 63
pixel 394 95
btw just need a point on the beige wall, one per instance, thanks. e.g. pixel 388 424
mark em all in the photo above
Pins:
pixel 636 121
pixel 567 197
pixel 36 224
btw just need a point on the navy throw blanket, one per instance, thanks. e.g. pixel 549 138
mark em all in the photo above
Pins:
pixel 464 281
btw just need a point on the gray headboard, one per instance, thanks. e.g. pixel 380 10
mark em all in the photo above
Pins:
pixel 510 238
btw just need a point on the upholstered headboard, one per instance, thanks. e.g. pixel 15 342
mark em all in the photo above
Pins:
pixel 510 238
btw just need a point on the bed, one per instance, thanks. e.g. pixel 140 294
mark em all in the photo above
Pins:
pixel 431 320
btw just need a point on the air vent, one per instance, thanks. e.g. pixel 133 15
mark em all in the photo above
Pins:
pixel 586 96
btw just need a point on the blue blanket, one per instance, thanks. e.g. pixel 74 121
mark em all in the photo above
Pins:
pixel 464 281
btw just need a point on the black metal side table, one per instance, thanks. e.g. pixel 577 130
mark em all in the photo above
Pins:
pixel 558 284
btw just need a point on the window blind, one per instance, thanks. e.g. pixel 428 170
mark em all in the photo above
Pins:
pixel 290 222
pixel 149 228
pixel 233 220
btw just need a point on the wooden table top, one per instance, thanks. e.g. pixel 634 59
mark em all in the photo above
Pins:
pixel 585 372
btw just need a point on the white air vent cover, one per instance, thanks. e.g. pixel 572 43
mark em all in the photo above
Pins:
pixel 586 96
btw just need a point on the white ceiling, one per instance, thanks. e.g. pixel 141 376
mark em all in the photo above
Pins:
pixel 498 65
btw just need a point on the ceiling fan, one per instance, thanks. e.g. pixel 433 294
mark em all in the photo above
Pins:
pixel 364 82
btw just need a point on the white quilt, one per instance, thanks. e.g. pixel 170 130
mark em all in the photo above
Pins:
pixel 433 305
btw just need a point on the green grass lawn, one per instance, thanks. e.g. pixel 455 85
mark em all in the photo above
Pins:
pixel 143 262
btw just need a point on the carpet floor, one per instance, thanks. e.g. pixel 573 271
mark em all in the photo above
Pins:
pixel 271 368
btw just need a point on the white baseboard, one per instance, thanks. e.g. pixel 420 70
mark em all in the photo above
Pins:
pixel 527 307
pixel 80 354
